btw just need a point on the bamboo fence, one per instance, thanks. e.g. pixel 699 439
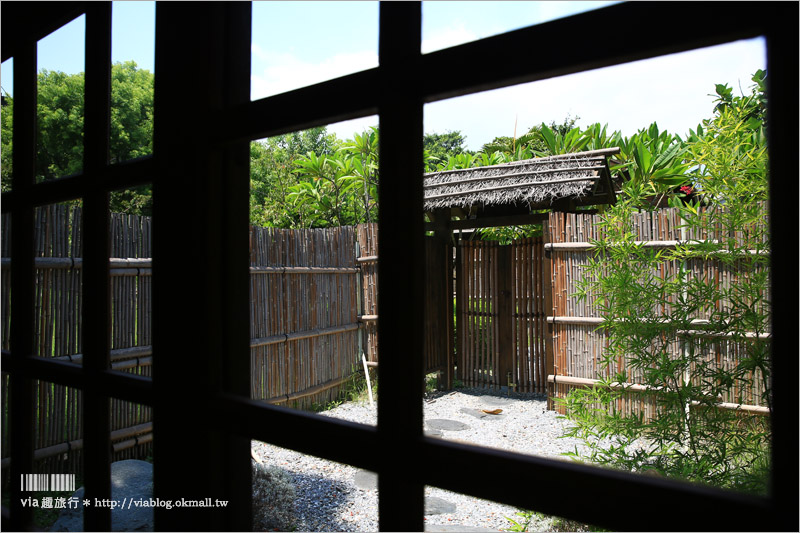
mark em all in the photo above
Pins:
pixel 577 336
pixel 304 323
pixel 368 261
pixel 304 313
pixel 500 309
pixel 58 332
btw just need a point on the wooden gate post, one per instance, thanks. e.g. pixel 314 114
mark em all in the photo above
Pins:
pixel 440 312
pixel 505 316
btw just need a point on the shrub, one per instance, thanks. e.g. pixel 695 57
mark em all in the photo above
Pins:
pixel 648 299
pixel 273 499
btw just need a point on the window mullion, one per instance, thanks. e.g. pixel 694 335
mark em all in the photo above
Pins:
pixel 400 270
pixel 96 293
pixel 22 278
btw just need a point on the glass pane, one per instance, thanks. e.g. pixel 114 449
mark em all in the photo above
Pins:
pixel 131 280
pixel 60 101
pixel 297 492
pixel 6 116
pixel 5 253
pixel 58 282
pixel 313 208
pixel 452 511
pixel 133 57
pixel 676 91
pixel 132 437
pixel 690 364
pixel 299 44
pixel 58 454
pixel 446 24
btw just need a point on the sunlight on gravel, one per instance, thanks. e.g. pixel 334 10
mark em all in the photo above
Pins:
pixel 336 497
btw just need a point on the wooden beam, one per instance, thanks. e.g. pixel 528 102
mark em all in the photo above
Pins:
pixel 494 222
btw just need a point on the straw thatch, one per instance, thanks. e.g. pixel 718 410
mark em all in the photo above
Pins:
pixel 533 182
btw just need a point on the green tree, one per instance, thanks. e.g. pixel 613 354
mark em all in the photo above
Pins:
pixel 361 157
pixel 272 162
pixel 326 195
pixel 440 147
pixel 6 144
pixel 60 112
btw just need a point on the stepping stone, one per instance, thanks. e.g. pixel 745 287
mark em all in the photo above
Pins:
pixel 477 413
pixel 495 400
pixel 446 425
pixel 433 433
pixel 434 505
pixel 366 480
pixel 132 479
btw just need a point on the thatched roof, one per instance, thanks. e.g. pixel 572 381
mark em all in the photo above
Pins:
pixel 533 182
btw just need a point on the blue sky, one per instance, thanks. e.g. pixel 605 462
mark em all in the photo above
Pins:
pixel 296 44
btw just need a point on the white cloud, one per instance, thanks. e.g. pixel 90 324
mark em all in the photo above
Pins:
pixel 672 91
pixel 278 72
pixel 447 37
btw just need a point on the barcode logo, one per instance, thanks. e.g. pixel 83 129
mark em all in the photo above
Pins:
pixel 48 482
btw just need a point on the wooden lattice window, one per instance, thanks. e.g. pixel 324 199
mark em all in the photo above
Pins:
pixel 203 419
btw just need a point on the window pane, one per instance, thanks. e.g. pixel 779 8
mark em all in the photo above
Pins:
pixel 6 116
pixel 676 91
pixel 132 74
pixel 60 102
pixel 131 280
pixel 708 397
pixel 297 492
pixel 299 44
pixel 59 277
pixel 313 208
pixel 446 24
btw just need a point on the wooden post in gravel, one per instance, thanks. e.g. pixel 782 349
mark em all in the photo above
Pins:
pixel 505 314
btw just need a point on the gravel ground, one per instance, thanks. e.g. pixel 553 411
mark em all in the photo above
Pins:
pixel 328 498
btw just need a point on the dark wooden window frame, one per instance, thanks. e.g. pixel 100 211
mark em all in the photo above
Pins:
pixel 203 419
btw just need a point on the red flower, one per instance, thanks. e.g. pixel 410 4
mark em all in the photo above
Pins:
pixel 686 189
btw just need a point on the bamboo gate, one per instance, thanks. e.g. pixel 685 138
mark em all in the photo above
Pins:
pixel 500 309
pixel 577 341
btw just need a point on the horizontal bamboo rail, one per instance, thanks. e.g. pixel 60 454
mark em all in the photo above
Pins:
pixel 286 337
pixel 636 387
pixel 310 391
pixel 596 321
pixel 115 355
pixel 765 335
pixel 367 318
pixel 367 259
pixel 579 246
pixel 68 263
pixel 118 267
pixel 600 320
pixel 303 270
pixel 77 444
pixel 142 266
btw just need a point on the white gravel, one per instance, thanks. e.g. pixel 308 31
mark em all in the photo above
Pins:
pixel 329 500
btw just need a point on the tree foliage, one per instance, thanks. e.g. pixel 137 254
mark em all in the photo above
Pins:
pixel 648 307
pixel 60 115
pixel 440 147
pixel 272 165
